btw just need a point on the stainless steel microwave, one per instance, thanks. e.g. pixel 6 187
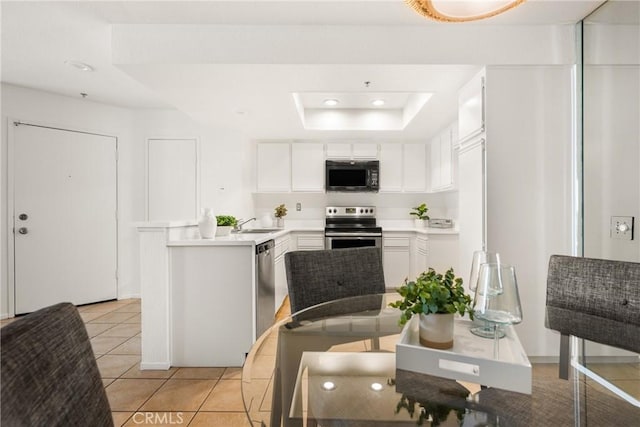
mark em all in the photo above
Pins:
pixel 352 175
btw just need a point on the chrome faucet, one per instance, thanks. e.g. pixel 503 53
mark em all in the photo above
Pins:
pixel 240 224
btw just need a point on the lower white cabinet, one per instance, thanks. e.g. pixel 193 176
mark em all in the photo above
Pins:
pixel 396 258
pixel 310 240
pixel 282 246
pixel 421 255
pixel 444 254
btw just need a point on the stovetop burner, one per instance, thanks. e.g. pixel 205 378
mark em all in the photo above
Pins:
pixel 351 219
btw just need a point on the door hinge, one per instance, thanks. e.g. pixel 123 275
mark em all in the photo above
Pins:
pixel 116 275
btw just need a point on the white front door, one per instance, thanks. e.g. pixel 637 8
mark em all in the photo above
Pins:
pixel 64 217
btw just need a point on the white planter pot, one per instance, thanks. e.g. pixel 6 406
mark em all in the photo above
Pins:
pixel 280 222
pixel 207 224
pixel 223 230
pixel 436 330
pixel 420 223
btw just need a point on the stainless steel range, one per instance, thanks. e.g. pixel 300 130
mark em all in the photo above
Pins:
pixel 351 227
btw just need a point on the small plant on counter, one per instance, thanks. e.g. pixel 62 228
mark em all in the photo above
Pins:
pixel 226 220
pixel 420 212
pixel 281 211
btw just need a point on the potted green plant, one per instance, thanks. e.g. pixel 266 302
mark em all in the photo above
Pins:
pixel 420 214
pixel 225 224
pixel 280 213
pixel 435 298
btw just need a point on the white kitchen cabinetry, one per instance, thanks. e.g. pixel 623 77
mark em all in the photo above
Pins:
pixel 346 151
pixel 421 255
pixel 396 258
pixel 282 246
pixel 471 107
pixel 309 240
pixel 441 160
pixel 391 169
pixel 414 168
pixel 307 167
pixel 443 254
pixel 274 167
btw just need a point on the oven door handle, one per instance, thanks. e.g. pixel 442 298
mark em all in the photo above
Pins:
pixel 352 234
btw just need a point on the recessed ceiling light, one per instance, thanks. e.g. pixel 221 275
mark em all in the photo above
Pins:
pixel 378 102
pixel 79 65
pixel 330 102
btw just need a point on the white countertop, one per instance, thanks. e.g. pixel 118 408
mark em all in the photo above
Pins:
pixel 248 239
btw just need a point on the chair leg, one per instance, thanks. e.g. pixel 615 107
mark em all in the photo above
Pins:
pixel 564 357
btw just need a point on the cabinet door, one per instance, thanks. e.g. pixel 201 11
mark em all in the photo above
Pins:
pixel 307 167
pixel 414 169
pixel 273 167
pixel 471 107
pixel 435 164
pixel 444 254
pixel 396 259
pixel 365 151
pixel 338 151
pixel 446 169
pixel 390 167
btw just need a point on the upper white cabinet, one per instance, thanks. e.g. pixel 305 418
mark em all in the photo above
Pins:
pixel 307 166
pixel 442 159
pixel 413 168
pixel 357 151
pixel 471 107
pixel 274 167
pixel 391 167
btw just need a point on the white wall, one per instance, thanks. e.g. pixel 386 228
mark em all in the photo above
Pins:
pixel 529 208
pixel 225 163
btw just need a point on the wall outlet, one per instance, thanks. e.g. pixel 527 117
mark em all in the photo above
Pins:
pixel 298 206
pixel 622 227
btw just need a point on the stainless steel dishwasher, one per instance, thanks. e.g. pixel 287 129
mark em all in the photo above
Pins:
pixel 265 286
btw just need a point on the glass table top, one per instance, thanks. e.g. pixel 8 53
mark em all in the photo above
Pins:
pixel 334 364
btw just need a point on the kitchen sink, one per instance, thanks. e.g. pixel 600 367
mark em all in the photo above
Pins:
pixel 256 230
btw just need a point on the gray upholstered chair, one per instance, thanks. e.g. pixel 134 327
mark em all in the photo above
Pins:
pixel 594 299
pixel 314 277
pixel 49 373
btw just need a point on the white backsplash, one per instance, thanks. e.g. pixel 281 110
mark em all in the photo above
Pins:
pixel 391 208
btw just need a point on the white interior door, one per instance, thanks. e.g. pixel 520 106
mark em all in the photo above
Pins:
pixel 65 240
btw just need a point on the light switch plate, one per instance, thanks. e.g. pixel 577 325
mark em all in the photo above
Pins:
pixel 622 227
pixel 298 206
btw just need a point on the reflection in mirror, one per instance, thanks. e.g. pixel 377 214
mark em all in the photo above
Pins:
pixel 611 150
pixel 611 91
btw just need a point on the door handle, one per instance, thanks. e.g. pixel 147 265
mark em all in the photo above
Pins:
pixel 23 230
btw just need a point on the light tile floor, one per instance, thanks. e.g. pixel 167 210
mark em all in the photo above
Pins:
pixel 177 397
pixel 200 396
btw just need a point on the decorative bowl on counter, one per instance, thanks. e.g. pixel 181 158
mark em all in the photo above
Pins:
pixel 223 230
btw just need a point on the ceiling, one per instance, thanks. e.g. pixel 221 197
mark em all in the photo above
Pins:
pixel 251 93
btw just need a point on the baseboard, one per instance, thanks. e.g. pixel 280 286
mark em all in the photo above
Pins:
pixel 129 296
pixel 4 316
pixel 155 366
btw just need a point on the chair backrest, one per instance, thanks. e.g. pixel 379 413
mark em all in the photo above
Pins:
pixel 595 299
pixel 49 373
pixel 314 277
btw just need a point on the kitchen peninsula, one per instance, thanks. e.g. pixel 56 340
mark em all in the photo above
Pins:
pixel 199 299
